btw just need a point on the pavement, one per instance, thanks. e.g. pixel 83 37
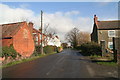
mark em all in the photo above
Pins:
pixel 67 64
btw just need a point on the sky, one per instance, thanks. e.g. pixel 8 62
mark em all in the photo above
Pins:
pixel 59 0
pixel 62 16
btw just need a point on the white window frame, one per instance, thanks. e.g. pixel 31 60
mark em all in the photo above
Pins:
pixel 109 35
pixel 34 33
pixel 110 43
pixel 36 38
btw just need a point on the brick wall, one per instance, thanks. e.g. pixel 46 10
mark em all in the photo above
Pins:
pixel 23 41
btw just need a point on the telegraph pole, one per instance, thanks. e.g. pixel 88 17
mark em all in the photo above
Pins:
pixel 41 32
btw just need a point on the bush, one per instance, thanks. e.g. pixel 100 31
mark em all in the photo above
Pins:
pixel 89 49
pixel 59 49
pixel 9 51
pixel 35 53
pixel 49 49
pixel 37 49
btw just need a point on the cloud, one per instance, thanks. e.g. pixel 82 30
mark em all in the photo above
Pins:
pixel 71 13
pixel 62 22
pixel 59 0
pixel 9 15
pixel 84 24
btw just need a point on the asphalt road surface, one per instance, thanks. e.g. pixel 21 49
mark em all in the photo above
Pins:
pixel 67 64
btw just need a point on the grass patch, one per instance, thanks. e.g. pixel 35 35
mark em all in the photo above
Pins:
pixel 95 56
pixel 25 60
pixel 103 60
pixel 108 63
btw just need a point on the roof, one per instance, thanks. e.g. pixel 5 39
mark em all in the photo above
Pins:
pixel 9 30
pixel 35 30
pixel 105 25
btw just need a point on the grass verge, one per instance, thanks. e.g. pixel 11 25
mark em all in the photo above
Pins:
pixel 108 63
pixel 25 60
pixel 103 60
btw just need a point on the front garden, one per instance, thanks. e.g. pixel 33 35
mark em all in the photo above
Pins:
pixel 93 51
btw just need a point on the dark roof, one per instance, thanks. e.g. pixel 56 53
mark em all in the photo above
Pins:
pixel 9 30
pixel 109 24
pixel 35 30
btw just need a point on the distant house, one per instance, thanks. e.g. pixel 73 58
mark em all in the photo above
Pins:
pixel 105 31
pixel 65 45
pixel 19 35
pixel 46 39
pixel 54 41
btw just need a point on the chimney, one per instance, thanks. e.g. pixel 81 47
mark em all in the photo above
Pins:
pixel 30 24
pixel 95 19
pixel 57 37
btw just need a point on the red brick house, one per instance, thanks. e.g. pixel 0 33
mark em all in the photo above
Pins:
pixel 37 37
pixel 19 35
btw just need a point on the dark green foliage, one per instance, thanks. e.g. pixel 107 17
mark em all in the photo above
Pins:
pixel 49 49
pixel 37 51
pixel 8 51
pixel 88 49
pixel 37 48
pixel 58 49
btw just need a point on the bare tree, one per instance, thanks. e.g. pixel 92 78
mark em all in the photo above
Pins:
pixel 84 37
pixel 76 38
pixel 49 33
pixel 73 36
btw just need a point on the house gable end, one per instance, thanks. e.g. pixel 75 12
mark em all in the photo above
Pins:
pixel 94 34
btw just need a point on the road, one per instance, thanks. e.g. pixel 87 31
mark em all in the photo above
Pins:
pixel 67 64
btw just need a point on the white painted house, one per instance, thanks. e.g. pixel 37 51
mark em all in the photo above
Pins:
pixel 54 41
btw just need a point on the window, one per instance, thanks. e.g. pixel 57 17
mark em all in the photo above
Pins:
pixel 36 38
pixel 36 43
pixel 111 33
pixel 110 45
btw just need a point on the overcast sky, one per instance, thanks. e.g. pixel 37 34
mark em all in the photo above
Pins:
pixel 62 16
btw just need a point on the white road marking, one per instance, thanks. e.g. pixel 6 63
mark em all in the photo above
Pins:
pixel 90 70
pixel 54 66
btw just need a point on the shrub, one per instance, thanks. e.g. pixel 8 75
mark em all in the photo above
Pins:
pixel 35 53
pixel 37 49
pixel 49 49
pixel 9 51
pixel 90 48
pixel 59 49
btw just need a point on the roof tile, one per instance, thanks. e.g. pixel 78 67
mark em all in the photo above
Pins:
pixel 9 30
pixel 109 24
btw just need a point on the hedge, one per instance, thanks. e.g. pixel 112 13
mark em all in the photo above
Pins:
pixel 46 49
pixel 91 48
pixel 49 49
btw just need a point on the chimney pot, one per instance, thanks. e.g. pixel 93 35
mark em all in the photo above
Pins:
pixel 95 19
